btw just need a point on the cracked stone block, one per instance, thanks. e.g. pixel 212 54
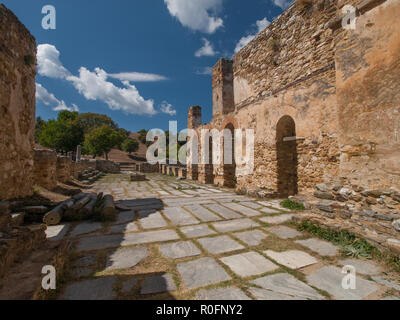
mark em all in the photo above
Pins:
pixel 96 289
pixel 202 213
pixel 284 232
pixel 55 233
pixel 242 209
pixel 323 248
pixel 330 279
pixel 221 294
pixel 197 231
pixel 85 227
pixel 202 272
pixel 249 264
pixel 158 284
pixel 125 258
pixel 362 267
pixel 179 216
pixel 284 283
pixel 220 244
pixel 251 238
pixel 234 225
pixel 293 259
pixel 277 219
pixel 222 211
pixel 150 219
pixel 178 250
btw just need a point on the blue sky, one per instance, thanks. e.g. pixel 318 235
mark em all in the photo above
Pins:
pixel 141 62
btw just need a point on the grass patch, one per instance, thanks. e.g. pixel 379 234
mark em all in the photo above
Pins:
pixel 292 205
pixel 350 244
pixel 36 192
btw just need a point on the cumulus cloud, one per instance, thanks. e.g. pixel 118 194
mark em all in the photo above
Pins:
pixel 199 15
pixel 49 99
pixel 137 77
pixel 167 108
pixel 93 85
pixel 49 64
pixel 283 4
pixel 206 50
pixel 206 71
pixel 244 41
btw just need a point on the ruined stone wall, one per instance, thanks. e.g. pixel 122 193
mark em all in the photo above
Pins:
pixel 64 169
pixel 17 106
pixel 368 97
pixel 45 168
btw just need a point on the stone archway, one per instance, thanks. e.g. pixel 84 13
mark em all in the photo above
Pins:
pixel 286 150
pixel 229 165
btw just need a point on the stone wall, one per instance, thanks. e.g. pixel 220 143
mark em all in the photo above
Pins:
pixel 17 106
pixel 45 168
pixel 368 97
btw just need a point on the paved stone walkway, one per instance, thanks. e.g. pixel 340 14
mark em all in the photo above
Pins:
pixel 182 240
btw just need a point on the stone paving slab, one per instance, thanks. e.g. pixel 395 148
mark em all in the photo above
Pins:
pixel 293 259
pixel 112 241
pixel 85 227
pixel 202 213
pixel 158 284
pixel 262 294
pixel 87 260
pixel 284 232
pixel 122 228
pixel 125 258
pixel 221 294
pixel 251 238
pixel 125 216
pixel 235 225
pixel 150 219
pixel 362 267
pixel 220 244
pixel 128 285
pixel 96 289
pixel 179 216
pixel 386 282
pixel 323 248
pixel 197 231
pixel 202 272
pixel 56 233
pixel 246 211
pixel 270 211
pixel 249 264
pixel 179 250
pixel 222 211
pixel 277 219
pixel 330 279
pixel 287 284
pixel 251 204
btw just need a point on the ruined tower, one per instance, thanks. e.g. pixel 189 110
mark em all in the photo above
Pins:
pixel 222 84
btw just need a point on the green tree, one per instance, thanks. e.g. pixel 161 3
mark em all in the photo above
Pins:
pixel 89 121
pixel 130 145
pixel 142 136
pixel 101 140
pixel 39 125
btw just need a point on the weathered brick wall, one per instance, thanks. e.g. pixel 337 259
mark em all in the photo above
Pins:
pixel 17 106
pixel 368 97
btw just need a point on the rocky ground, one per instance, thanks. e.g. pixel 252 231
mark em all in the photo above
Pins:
pixel 181 240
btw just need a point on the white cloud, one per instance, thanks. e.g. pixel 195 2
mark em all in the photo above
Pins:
pixel 206 50
pixel 49 99
pixel 283 4
pixel 199 15
pixel 137 77
pixel 206 71
pixel 94 86
pixel 167 108
pixel 49 64
pixel 244 41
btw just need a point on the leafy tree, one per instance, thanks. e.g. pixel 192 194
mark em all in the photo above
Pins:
pixel 39 125
pixel 130 145
pixel 89 121
pixel 142 136
pixel 101 140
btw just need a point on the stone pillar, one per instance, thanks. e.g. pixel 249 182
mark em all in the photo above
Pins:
pixel 78 153
pixel 222 83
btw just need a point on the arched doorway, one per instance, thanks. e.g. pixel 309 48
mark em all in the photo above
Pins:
pixel 229 156
pixel 286 148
